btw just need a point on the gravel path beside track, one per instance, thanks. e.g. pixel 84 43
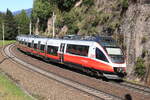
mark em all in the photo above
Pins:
pixel 38 85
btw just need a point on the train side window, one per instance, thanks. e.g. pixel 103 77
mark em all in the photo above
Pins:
pixel 42 47
pixel 29 44
pixel 100 55
pixel 85 50
pixel 26 43
pixel 22 42
pixel 35 46
pixel 77 49
pixel 52 50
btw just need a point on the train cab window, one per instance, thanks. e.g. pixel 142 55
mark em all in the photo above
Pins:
pixel 52 50
pixel 42 47
pixel 100 55
pixel 35 46
pixel 77 49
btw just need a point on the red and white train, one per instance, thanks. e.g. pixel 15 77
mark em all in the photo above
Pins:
pixel 99 55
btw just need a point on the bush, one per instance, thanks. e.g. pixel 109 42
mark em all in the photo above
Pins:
pixel 124 6
pixel 88 2
pixel 144 39
pixel 125 3
pixel 64 5
pixel 140 69
pixel 144 53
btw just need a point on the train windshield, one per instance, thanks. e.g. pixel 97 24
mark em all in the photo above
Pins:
pixel 116 55
pixel 114 51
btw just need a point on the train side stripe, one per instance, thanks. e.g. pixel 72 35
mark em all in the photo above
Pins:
pixel 88 62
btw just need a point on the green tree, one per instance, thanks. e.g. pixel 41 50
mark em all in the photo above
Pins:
pixel 88 2
pixel 42 9
pixel 140 69
pixel 10 26
pixel 23 22
pixel 65 5
pixel 1 21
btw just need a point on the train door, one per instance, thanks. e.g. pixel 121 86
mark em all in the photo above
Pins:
pixel 32 46
pixel 61 52
pixel 38 47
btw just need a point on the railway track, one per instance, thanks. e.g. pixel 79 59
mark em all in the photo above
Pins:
pixel 100 94
pixel 136 87
pixel 89 90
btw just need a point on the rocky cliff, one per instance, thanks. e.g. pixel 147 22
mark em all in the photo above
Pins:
pixel 136 30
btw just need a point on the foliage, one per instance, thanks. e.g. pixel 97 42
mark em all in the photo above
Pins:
pixel 10 26
pixel 85 19
pixel 6 42
pixel 65 5
pixel 144 39
pixel 113 25
pixel 69 19
pixel 125 3
pixel 1 21
pixel 42 10
pixel 144 53
pixel 140 69
pixel 124 6
pixel 23 22
pixel 88 2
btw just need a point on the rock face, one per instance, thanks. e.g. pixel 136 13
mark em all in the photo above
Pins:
pixel 136 30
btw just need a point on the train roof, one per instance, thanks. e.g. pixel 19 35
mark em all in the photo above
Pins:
pixel 105 41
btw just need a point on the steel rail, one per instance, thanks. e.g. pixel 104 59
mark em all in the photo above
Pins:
pixel 136 87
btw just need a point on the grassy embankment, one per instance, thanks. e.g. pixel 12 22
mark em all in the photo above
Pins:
pixel 8 89
pixel 6 42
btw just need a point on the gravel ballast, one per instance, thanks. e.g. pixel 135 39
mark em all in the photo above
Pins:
pixel 40 86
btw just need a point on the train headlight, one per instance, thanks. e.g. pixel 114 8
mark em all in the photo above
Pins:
pixel 119 69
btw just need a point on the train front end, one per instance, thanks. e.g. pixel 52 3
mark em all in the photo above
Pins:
pixel 116 57
pixel 118 61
